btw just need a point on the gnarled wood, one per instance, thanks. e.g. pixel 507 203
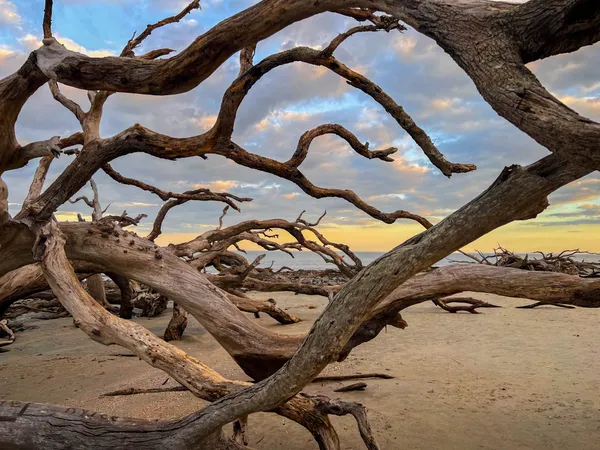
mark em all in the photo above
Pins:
pixel 491 41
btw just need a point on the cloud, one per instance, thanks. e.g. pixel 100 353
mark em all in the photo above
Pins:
pixel 279 118
pixel 587 209
pixel 582 190
pixel 137 204
pixel 586 106
pixel 218 186
pixel 571 73
pixel 292 99
pixel 204 123
pixel 401 196
pixel 5 53
pixel 9 14
pixel 406 46
pixel 402 165
pixel 32 42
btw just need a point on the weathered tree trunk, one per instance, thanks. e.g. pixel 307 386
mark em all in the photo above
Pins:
pixel 105 328
pixel 95 286
pixel 126 297
pixel 177 324
pixel 29 280
pixel 26 426
pixel 261 352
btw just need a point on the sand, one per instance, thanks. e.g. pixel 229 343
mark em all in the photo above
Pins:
pixel 503 379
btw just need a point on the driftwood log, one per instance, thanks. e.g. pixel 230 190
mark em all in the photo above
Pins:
pixel 491 41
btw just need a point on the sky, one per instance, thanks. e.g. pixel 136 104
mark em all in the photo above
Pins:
pixel 293 99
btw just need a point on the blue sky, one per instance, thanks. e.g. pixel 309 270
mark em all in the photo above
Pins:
pixel 295 98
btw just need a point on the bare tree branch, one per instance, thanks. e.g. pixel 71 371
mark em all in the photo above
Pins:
pixel 201 194
pixel 66 102
pixel 47 23
pixel 35 189
pixel 136 41
pixel 547 28
pixel 304 143
pixel 4 215
pixel 222 216
pixel 39 149
pixel 246 59
pixel 373 297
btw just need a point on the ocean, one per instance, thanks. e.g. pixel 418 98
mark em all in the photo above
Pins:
pixel 310 260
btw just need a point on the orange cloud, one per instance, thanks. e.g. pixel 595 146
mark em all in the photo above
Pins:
pixel 5 53
pixel 402 165
pixel 405 45
pixel 205 122
pixel 587 106
pixel 219 185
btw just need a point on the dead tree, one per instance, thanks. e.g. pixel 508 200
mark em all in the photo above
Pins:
pixel 491 41
pixel 565 261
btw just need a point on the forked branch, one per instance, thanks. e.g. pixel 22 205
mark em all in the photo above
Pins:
pixel 136 41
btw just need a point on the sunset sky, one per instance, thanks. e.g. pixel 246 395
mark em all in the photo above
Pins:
pixel 293 99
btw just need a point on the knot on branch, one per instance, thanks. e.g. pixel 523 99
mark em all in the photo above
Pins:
pixel 389 23
pixel 48 238
pixel 50 55
pixel 49 147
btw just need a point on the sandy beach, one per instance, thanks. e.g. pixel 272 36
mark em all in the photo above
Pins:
pixel 503 379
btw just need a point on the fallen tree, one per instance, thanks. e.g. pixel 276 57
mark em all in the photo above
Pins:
pixel 490 41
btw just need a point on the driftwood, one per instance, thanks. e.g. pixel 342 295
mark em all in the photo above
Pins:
pixel 564 262
pixel 135 391
pixel 7 336
pixel 352 387
pixel 373 296
pixel 469 304
pixel 535 305
pixel 177 324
